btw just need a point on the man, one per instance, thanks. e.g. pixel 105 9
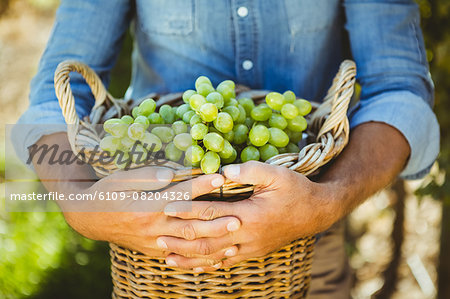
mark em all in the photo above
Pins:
pixel 275 45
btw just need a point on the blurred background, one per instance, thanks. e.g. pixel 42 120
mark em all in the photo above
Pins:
pixel 398 241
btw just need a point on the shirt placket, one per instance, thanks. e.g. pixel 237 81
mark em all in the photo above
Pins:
pixel 245 35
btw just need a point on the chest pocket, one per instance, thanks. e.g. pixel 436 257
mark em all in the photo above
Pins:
pixel 170 17
pixel 311 15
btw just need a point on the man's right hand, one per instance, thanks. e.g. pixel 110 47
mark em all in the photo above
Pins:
pixel 133 223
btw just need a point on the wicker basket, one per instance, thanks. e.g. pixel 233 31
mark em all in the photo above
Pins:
pixel 282 274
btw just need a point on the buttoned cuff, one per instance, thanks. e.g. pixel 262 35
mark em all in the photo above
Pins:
pixel 412 116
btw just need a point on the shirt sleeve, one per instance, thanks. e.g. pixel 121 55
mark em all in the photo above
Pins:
pixel 90 31
pixel 396 87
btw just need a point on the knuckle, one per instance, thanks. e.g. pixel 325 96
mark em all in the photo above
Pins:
pixel 188 232
pixel 209 213
pixel 204 248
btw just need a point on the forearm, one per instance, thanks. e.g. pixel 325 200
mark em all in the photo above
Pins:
pixel 375 155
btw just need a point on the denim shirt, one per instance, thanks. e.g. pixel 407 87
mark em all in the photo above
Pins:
pixel 271 44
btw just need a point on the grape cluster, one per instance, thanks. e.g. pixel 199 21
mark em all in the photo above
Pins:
pixel 223 130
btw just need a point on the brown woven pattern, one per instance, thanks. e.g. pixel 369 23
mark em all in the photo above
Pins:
pixel 283 273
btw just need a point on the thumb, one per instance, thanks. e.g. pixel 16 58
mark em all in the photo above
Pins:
pixel 253 172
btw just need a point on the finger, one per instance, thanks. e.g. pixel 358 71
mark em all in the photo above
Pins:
pixel 204 210
pixel 197 247
pixel 194 229
pixel 200 185
pixel 145 178
pixel 202 263
pixel 254 172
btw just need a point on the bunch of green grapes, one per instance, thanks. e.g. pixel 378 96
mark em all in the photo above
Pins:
pixel 222 130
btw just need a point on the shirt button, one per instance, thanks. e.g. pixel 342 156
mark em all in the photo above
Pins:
pixel 247 65
pixel 242 11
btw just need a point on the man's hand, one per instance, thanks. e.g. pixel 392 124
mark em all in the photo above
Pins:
pixel 285 206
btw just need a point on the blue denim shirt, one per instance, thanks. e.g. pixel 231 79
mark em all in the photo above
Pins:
pixel 270 44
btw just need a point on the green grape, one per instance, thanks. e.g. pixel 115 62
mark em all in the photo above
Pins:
pixel 187 116
pixel 196 101
pixel 229 136
pixel 231 159
pixel 224 122
pixel 147 107
pixel 233 111
pixel 127 119
pixel 167 114
pixel 151 142
pixel 232 102
pixel 249 153
pixel 212 129
pixel 226 89
pixel 240 134
pixel 289 96
pixel 213 142
pixel 174 112
pixel 182 109
pixel 199 131
pixel 289 111
pixel 110 144
pixel 304 107
pixel 202 80
pixel 294 137
pixel 210 162
pixel 172 152
pixel 187 95
pixel 292 148
pixel 139 154
pixel 143 121
pixel 249 122
pixel 116 127
pixel 195 119
pixel 216 99
pixel 136 131
pixel 261 113
pixel 121 160
pixel 182 141
pixel 194 153
pixel 297 124
pixel 268 151
pixel 135 112
pixel 166 134
pixel 259 135
pixel 242 115
pixel 248 104
pixel 208 112
pixel 127 142
pixel 275 100
pixel 191 164
pixel 278 121
pixel 155 118
pixel 205 89
pixel 278 137
pixel 227 150
pixel 179 127
pixel 282 150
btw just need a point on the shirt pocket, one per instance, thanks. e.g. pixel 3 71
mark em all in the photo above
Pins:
pixel 169 17
pixel 311 15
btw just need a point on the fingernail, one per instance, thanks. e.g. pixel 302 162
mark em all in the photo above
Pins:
pixel 217 266
pixel 170 210
pixel 198 270
pixel 161 244
pixel 232 171
pixel 217 182
pixel 164 175
pixel 233 226
pixel 229 252
pixel 171 263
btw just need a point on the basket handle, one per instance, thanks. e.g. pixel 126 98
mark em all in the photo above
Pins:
pixel 336 102
pixel 64 92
